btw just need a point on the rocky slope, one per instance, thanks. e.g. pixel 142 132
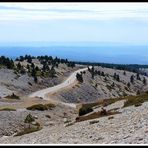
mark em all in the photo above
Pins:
pixel 128 127
pixel 23 84
pixel 101 87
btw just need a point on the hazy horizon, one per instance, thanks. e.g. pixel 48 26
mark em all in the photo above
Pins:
pixel 105 32
pixel 104 54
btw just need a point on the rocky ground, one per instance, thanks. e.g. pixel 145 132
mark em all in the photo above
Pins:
pixel 13 121
pixel 22 84
pixel 128 127
pixel 89 92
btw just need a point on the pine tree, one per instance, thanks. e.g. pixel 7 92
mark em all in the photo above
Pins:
pixel 19 66
pixel 138 76
pixel 29 119
pixel 128 84
pixel 35 79
pixel 117 78
pixel 144 81
pixel 102 74
pixel 132 79
pixel 79 77
pixel 52 72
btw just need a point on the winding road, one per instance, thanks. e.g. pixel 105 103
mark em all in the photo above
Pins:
pixel 70 80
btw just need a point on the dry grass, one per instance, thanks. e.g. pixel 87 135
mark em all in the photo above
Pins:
pixel 28 130
pixel 7 109
pixel 41 107
pixel 95 115
pixel 102 102
pixel 136 100
pixel 13 96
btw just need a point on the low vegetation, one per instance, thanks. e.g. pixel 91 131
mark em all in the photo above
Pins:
pixel 41 107
pixel 28 130
pixel 84 110
pixel 13 96
pixel 101 102
pixel 7 109
pixel 136 100
pixel 31 128
pixel 94 121
pixel 95 115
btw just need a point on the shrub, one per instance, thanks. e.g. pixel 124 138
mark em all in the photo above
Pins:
pixel 111 117
pixel 28 130
pixel 79 77
pixel 94 121
pixel 48 116
pixel 136 100
pixel 85 110
pixel 7 109
pixel 41 107
pixel 13 96
pixel 29 119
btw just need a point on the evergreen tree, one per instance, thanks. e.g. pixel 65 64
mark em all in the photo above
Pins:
pixel 102 74
pixel 132 79
pixel 92 72
pixel 35 79
pixel 29 118
pixel 138 92
pixel 138 76
pixel 113 84
pixel 52 72
pixel 144 81
pixel 117 78
pixel 79 77
pixel 128 84
pixel 19 66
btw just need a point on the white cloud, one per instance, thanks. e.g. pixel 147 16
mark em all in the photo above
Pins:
pixel 95 11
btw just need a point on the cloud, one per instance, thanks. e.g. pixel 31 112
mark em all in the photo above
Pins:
pixel 78 11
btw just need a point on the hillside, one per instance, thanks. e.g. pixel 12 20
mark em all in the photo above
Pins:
pixel 128 127
pixel 69 90
pixel 104 85
pixel 29 74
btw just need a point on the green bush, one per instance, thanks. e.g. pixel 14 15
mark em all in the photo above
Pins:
pixel 28 130
pixel 85 110
pixel 7 109
pixel 41 107
pixel 136 100
pixel 13 96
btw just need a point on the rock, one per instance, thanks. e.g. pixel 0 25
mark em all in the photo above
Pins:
pixel 140 139
pixel 48 116
pixel 111 117
pixel 34 123
pixel 126 137
pixel 48 124
pixel 94 121
pixel 36 117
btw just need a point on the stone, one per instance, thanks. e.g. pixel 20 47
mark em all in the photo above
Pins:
pixel 34 123
pixel 48 124
pixel 36 117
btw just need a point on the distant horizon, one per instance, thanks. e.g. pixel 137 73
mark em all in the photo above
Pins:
pixel 125 23
pixel 105 32
pixel 84 43
pixel 104 53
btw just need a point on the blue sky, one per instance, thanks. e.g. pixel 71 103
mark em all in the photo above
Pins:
pixel 74 22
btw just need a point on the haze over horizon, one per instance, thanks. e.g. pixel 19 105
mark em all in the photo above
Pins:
pixel 74 22
pixel 111 25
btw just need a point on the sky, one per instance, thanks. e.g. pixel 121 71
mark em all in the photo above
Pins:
pixel 125 23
